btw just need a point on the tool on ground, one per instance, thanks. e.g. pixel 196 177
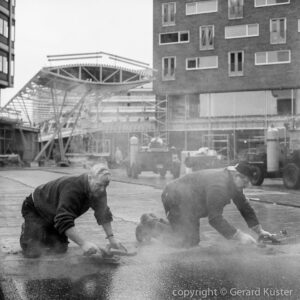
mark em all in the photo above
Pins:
pixel 106 257
pixel 119 252
pixel 266 239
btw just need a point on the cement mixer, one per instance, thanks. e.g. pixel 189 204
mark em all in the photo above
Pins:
pixel 277 161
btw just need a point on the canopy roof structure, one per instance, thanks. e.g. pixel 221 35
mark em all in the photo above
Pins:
pixel 60 92
pixel 62 88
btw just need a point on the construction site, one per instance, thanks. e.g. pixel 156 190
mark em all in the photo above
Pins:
pixel 79 111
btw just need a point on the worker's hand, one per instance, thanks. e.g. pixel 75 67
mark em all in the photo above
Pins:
pixel 89 248
pixel 262 233
pixel 244 238
pixel 115 244
pixel 266 234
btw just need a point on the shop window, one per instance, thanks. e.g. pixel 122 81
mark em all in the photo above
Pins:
pixel 193 106
pixel 284 106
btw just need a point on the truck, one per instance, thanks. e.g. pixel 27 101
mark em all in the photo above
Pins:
pixel 278 158
pixel 157 158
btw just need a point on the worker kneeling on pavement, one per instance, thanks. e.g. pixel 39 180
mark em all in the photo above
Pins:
pixel 50 212
pixel 203 194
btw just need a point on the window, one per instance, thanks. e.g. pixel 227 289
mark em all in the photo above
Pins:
pixel 241 31
pixel 236 63
pixel 5 28
pixel 168 13
pixel 207 34
pixel 13 33
pixel 12 68
pixel 201 7
pixel 259 3
pixel 3 64
pixel 174 37
pixel 284 106
pixel 273 57
pixel 235 9
pixel 203 62
pixel 168 68
pixel 193 106
pixel 1 26
pixel 278 31
pixel 298 25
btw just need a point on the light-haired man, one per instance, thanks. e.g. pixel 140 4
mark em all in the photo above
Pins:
pixel 203 194
pixel 50 211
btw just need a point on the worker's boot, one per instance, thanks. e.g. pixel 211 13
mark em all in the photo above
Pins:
pixel 150 226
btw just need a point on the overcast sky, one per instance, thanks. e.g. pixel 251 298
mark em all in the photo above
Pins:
pixel 45 27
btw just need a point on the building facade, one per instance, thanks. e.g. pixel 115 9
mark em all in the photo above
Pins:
pixel 7 43
pixel 228 68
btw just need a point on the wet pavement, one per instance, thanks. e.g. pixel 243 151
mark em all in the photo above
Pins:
pixel 217 269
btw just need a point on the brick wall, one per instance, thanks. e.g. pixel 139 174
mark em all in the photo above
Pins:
pixel 217 80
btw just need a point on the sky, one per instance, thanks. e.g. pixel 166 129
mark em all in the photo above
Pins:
pixel 48 27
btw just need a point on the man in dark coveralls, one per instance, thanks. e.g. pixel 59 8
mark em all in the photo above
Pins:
pixel 203 194
pixel 50 211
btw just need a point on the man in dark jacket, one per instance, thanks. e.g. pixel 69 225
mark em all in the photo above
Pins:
pixel 50 211
pixel 204 194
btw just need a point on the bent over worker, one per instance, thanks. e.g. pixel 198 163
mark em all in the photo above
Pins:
pixel 50 213
pixel 203 194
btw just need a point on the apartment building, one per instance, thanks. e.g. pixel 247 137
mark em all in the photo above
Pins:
pixel 7 43
pixel 7 38
pixel 229 69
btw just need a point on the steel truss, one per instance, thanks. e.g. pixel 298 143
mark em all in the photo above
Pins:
pixel 61 93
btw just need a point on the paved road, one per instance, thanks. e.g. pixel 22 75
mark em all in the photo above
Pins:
pixel 215 270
